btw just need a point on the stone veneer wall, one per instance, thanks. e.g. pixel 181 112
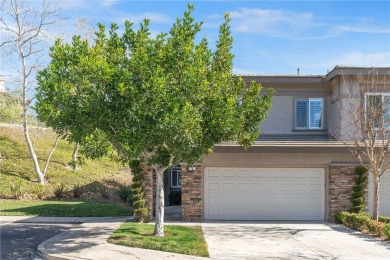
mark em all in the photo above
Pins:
pixel 341 182
pixel 191 193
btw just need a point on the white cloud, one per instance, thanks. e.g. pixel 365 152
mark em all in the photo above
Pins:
pixel 270 21
pixel 294 25
pixel 108 3
pixel 278 23
pixel 362 29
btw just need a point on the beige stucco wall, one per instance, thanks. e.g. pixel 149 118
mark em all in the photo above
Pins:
pixel 281 117
pixel 305 158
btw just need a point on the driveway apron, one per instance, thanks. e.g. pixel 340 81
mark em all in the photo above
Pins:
pixel 291 240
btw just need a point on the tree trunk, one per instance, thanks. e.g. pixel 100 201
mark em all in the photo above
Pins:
pixel 159 221
pixel 375 215
pixel 50 154
pixel 40 176
pixel 74 155
pixel 38 172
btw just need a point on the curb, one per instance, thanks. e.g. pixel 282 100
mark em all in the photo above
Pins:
pixel 43 253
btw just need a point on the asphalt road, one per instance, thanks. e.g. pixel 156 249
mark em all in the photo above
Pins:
pixel 19 240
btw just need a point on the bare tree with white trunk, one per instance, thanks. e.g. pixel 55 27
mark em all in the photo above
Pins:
pixel 365 123
pixel 24 28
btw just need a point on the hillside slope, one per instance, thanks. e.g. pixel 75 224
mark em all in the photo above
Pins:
pixel 17 167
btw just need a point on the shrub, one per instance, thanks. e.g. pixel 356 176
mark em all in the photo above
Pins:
pixel 175 197
pixel 59 190
pixel 139 202
pixel 386 231
pixel 363 222
pixel 376 228
pixel 77 190
pixel 358 200
pixel 125 194
pixel 384 219
pixel 103 190
pixel 17 189
pixel 39 191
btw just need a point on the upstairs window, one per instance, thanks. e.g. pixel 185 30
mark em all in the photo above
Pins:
pixel 378 109
pixel 309 113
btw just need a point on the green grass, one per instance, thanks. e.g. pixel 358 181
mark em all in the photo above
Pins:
pixel 187 240
pixel 58 208
pixel 16 165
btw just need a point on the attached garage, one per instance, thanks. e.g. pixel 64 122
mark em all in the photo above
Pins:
pixel 264 193
pixel 384 195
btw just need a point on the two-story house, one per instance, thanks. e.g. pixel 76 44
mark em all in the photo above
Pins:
pixel 295 170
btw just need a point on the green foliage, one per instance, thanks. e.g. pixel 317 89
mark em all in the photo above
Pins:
pixel 363 222
pixel 39 191
pixel 77 190
pixel 384 219
pixel 17 189
pixel 125 193
pixel 386 231
pixel 169 96
pixel 139 202
pixel 60 190
pixel 187 240
pixel 10 108
pixel 79 162
pixel 358 196
pixel 175 197
pixel 104 191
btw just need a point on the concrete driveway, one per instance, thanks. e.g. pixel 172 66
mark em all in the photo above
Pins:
pixel 292 240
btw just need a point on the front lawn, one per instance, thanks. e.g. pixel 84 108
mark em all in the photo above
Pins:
pixel 187 240
pixel 59 208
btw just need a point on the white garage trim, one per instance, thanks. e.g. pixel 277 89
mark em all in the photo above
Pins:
pixel 264 193
pixel 384 194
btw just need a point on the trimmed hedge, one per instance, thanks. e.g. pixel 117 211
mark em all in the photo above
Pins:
pixel 364 223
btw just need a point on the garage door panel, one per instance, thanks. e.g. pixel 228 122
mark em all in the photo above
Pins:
pixel 264 194
pixel 384 195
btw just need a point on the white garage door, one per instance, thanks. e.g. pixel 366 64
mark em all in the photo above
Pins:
pixel 384 195
pixel 264 194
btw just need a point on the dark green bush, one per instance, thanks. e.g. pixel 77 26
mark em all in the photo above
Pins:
pixel 124 193
pixel 77 191
pixel 384 219
pixel 358 196
pixel 175 197
pixel 59 190
pixel 364 223
pixel 386 231
pixel 104 191
pixel 139 202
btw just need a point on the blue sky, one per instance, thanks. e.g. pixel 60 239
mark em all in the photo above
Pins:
pixel 270 37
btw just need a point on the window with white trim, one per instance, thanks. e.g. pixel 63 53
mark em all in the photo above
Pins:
pixel 176 177
pixel 309 113
pixel 378 106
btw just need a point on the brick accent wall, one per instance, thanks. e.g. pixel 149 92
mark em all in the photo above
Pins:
pixel 191 193
pixel 341 182
pixel 149 190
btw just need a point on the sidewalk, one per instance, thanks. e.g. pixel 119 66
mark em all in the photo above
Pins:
pixel 89 240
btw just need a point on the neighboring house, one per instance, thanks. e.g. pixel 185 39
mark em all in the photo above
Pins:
pixel 2 86
pixel 295 170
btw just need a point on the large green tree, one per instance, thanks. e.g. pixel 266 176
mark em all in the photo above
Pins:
pixel 161 100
